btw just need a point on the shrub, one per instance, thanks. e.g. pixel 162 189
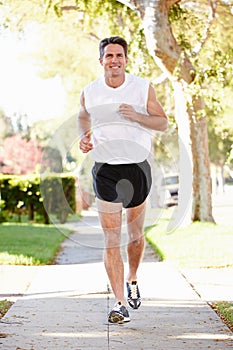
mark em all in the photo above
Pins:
pixel 28 194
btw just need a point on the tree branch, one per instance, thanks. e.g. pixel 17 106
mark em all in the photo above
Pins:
pixel 211 18
pixel 69 8
pixel 171 3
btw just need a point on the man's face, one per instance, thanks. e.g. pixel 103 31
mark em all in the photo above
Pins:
pixel 114 60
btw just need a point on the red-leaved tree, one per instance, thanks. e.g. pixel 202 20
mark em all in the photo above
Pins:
pixel 19 155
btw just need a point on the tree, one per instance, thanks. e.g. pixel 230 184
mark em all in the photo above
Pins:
pixel 20 156
pixel 6 128
pixel 177 52
pixel 218 75
pixel 179 62
pixel 175 63
pixel 179 56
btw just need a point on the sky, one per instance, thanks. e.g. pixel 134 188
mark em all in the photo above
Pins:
pixel 21 89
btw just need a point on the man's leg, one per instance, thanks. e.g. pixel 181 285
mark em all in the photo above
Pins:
pixel 110 215
pixel 135 221
pixel 136 243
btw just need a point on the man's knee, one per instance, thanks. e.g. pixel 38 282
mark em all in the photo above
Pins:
pixel 112 239
pixel 137 240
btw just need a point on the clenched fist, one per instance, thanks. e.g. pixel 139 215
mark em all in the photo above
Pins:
pixel 85 143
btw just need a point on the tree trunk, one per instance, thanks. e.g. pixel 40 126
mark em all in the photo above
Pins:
pixel 202 184
pixel 169 57
pixel 31 211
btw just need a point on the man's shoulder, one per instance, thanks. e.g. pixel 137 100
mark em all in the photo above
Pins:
pixel 93 83
pixel 136 78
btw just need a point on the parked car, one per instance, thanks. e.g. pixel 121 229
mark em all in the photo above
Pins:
pixel 170 185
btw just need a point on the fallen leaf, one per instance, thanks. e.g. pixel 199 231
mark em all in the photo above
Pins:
pixel 3 335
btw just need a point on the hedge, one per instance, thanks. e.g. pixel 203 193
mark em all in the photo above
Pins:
pixel 30 194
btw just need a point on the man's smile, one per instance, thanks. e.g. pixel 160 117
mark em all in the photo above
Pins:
pixel 114 66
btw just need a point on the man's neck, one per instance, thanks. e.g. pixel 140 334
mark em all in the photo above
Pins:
pixel 116 81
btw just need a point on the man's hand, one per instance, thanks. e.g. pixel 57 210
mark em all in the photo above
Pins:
pixel 128 111
pixel 85 143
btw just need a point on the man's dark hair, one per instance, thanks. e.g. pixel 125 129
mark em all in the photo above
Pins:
pixel 113 40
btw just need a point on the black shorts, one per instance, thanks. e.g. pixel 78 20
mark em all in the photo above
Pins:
pixel 128 184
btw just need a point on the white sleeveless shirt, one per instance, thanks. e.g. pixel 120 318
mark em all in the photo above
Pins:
pixel 116 139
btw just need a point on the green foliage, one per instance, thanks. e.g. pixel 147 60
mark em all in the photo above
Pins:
pixel 105 18
pixel 59 195
pixel 177 13
pixel 121 20
pixel 67 46
pixel 220 152
pixel 75 29
pixel 4 305
pixel 17 14
pixel 225 310
pixel 188 24
pixel 21 194
pixel 29 195
pixel 22 244
pixel 211 52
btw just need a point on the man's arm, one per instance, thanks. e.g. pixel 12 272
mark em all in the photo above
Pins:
pixel 156 120
pixel 84 126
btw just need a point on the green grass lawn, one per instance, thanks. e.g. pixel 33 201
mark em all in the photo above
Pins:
pixel 225 311
pixel 198 245
pixel 4 306
pixel 29 244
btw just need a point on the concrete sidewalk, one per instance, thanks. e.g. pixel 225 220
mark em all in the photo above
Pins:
pixel 66 305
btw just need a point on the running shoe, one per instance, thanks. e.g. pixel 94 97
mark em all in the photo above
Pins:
pixel 119 314
pixel 134 299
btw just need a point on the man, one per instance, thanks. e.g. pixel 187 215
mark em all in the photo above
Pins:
pixel 117 113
